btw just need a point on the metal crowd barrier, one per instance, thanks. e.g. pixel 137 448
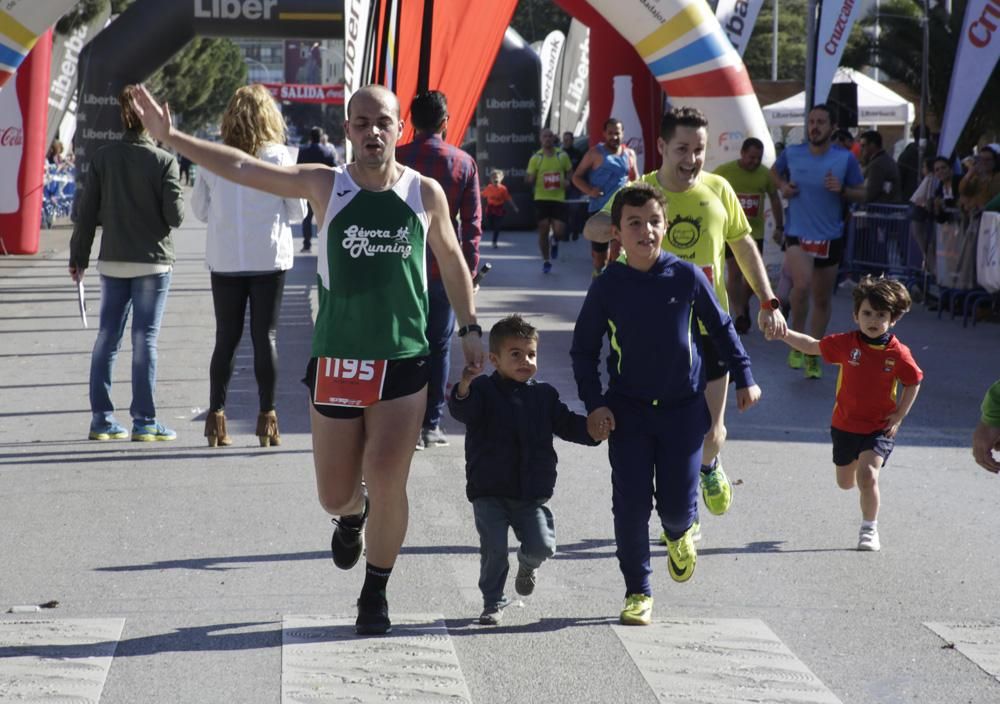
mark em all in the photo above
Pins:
pixel 879 242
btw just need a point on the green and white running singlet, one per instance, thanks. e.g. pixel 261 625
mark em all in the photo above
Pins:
pixel 371 271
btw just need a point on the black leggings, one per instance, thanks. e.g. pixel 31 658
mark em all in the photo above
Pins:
pixel 230 295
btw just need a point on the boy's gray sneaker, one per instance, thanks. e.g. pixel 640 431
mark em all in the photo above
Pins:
pixel 491 616
pixel 434 437
pixel 524 583
pixel 493 613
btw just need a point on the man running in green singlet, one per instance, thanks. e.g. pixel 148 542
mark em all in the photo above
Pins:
pixel 368 375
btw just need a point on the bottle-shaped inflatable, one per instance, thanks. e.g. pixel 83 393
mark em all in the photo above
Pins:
pixel 11 148
pixel 623 108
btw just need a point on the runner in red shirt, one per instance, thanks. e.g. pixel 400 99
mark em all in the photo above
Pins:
pixel 868 411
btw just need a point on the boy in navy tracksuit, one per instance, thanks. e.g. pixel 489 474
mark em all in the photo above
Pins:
pixel 510 464
pixel 654 410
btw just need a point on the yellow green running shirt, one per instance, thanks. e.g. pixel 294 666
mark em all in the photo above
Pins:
pixel 371 272
pixel 700 221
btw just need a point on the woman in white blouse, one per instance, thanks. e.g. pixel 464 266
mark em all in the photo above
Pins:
pixel 248 251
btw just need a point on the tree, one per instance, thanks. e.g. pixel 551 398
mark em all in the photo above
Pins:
pixel 899 53
pixel 199 80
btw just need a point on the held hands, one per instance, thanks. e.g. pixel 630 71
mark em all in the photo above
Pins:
pixel 472 349
pixel 747 397
pixel 985 441
pixel 468 374
pixel 76 274
pixel 600 423
pixel 772 324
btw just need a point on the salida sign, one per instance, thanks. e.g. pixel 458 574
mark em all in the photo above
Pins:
pixel 307 93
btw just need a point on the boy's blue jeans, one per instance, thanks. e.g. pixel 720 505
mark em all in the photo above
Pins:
pixel 533 526
pixel 654 451
pixel 146 296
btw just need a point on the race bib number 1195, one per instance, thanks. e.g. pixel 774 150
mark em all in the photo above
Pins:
pixel 348 382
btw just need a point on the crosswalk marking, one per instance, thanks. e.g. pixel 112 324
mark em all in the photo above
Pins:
pixel 978 641
pixel 724 661
pixel 322 660
pixel 52 661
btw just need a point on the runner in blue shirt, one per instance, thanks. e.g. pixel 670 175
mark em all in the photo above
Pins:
pixel 815 178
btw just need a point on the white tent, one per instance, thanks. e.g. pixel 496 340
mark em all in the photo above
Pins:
pixel 877 105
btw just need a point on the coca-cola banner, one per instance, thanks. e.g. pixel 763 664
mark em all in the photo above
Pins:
pixel 307 93
pixel 978 53
pixel 22 22
pixel 572 95
pixel 22 151
pixel 835 23
pixel 737 18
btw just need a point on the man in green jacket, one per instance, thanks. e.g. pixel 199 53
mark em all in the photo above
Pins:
pixel 986 438
pixel 133 191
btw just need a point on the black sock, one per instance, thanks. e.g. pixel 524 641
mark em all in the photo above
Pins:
pixel 707 468
pixel 376 579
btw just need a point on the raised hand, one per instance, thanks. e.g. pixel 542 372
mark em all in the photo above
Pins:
pixel 155 118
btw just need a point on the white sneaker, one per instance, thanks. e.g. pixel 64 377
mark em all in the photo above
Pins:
pixel 868 540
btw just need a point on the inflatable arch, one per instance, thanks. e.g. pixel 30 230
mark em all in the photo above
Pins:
pixel 680 41
pixel 149 32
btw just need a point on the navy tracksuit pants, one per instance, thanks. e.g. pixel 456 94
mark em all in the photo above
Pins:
pixel 655 451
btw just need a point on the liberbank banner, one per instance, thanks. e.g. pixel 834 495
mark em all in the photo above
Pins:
pixel 737 18
pixel 978 52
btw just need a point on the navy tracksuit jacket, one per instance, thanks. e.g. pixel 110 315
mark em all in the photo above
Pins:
pixel 655 390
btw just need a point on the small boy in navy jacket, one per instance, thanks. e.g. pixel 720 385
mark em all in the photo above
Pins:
pixel 510 464
pixel 654 412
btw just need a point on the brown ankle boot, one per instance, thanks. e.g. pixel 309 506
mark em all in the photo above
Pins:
pixel 267 429
pixel 215 429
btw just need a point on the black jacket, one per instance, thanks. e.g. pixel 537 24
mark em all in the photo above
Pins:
pixel 508 437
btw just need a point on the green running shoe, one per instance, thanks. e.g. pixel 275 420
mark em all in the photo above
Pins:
pixel 814 368
pixel 108 431
pixel 638 610
pixel 682 557
pixel 695 533
pixel 716 491
pixel 795 359
pixel 151 433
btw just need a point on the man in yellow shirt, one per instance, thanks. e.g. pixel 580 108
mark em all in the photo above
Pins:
pixel 752 182
pixel 549 171
pixel 704 215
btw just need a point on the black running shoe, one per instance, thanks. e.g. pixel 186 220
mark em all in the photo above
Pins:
pixel 348 542
pixel 373 619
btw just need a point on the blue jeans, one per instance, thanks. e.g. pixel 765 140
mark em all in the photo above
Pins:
pixel 534 528
pixel 440 326
pixel 655 451
pixel 147 295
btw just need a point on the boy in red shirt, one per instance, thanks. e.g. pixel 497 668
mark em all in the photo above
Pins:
pixel 867 413
pixel 496 195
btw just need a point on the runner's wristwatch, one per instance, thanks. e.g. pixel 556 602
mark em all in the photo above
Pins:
pixel 466 329
pixel 770 304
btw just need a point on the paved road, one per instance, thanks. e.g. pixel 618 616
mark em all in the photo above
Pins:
pixel 185 574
